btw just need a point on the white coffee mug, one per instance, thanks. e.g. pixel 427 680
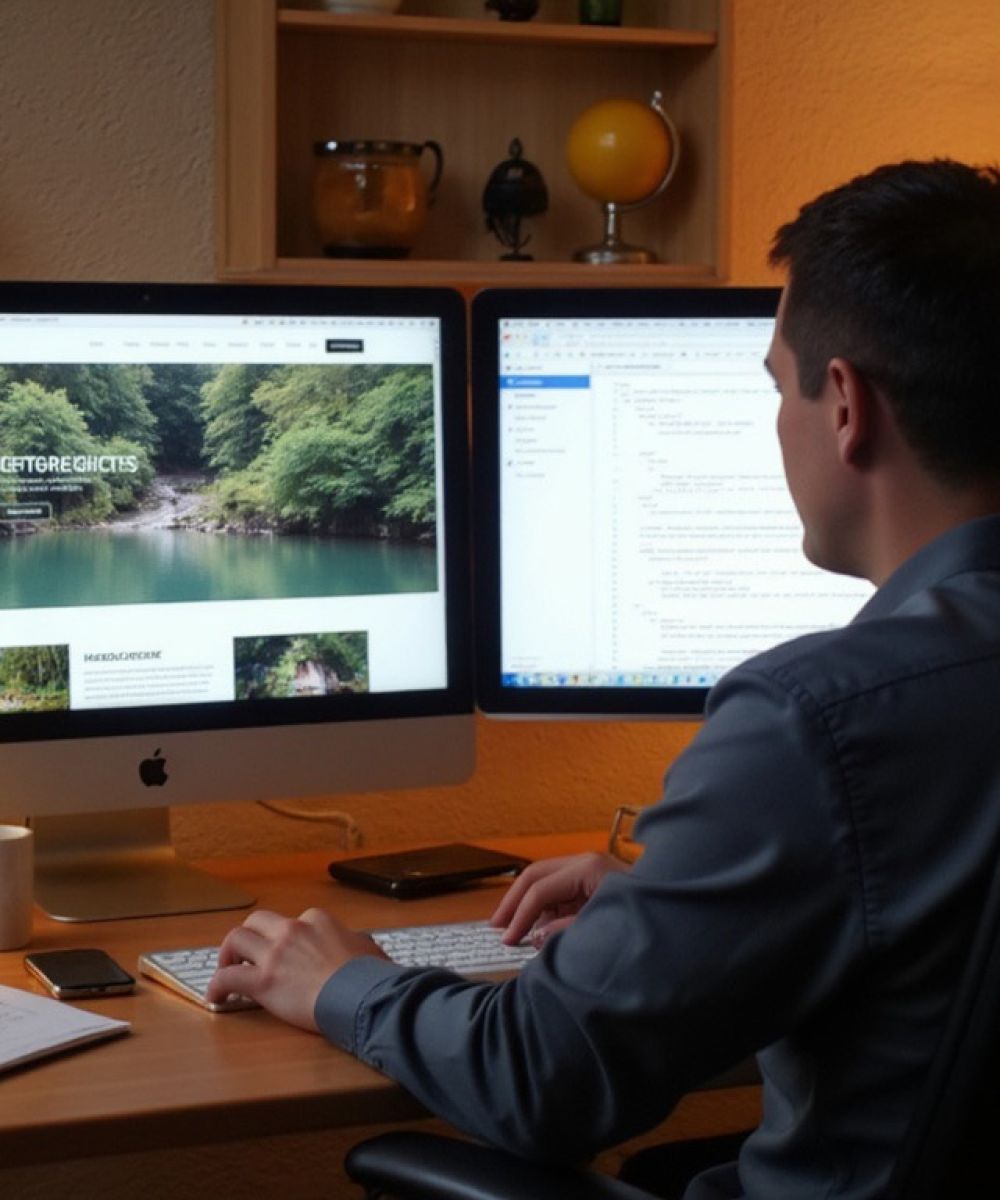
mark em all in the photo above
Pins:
pixel 17 885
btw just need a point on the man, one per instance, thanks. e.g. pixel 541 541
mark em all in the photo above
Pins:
pixel 811 877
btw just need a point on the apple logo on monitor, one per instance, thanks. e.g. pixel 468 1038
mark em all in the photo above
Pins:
pixel 152 771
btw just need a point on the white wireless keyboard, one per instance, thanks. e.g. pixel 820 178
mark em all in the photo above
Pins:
pixel 470 948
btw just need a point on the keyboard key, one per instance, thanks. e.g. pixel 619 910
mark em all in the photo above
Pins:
pixel 188 972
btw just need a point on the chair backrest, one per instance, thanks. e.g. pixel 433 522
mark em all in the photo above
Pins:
pixel 411 1165
pixel 949 1148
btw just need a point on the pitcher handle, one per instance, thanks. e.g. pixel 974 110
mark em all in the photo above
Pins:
pixel 436 150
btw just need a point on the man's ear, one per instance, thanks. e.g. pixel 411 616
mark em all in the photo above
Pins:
pixel 853 411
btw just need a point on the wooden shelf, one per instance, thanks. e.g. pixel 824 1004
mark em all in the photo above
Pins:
pixel 460 29
pixel 469 275
pixel 288 78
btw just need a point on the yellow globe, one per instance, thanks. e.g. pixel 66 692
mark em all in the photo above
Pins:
pixel 618 151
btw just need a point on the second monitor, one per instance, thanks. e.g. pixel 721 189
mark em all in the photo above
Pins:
pixel 634 535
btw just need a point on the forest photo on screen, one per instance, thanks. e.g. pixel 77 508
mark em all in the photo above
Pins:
pixel 123 483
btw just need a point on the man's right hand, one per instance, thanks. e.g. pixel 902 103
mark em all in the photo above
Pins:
pixel 547 895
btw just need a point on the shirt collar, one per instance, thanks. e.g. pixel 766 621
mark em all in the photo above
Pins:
pixel 973 546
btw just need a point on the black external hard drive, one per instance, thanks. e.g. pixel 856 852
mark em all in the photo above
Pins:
pixel 424 872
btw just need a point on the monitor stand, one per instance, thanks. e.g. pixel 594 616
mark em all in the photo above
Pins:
pixel 102 866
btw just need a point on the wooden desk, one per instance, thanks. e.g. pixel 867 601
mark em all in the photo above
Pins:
pixel 187 1077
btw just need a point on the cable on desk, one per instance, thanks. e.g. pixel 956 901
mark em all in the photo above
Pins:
pixel 353 836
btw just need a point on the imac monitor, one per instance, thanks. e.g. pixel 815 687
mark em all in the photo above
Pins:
pixel 233 562
pixel 634 536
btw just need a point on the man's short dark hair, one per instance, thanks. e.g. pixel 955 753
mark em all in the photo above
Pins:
pixel 898 271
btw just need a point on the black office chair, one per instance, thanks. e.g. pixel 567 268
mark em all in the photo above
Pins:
pixel 950 1148
pixel 427 1166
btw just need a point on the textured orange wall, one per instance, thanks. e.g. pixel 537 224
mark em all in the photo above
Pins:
pixel 825 90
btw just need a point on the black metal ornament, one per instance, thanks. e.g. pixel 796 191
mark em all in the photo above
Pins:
pixel 514 10
pixel 514 190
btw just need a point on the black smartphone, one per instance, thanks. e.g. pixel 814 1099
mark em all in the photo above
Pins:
pixel 75 974
pixel 425 872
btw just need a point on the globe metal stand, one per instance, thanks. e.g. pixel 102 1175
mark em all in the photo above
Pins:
pixel 613 250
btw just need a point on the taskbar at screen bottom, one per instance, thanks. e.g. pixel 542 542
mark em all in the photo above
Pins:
pixel 611 679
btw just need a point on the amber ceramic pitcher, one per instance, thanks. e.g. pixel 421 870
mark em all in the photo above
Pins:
pixel 370 198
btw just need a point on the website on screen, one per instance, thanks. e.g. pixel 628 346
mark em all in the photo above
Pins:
pixel 203 508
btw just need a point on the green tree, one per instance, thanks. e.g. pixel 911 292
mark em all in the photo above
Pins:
pixel 36 423
pixel 329 448
pixel 235 426
pixel 35 668
pixel 242 498
pixel 343 656
pixel 344 653
pixel 321 478
pixel 397 420
pixel 111 396
pixel 174 395
pixel 303 395
pixel 126 488
pixel 319 393
pixel 254 661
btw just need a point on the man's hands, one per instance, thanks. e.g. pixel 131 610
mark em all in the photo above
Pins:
pixel 547 895
pixel 282 962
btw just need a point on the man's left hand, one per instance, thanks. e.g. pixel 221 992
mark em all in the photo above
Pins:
pixel 283 962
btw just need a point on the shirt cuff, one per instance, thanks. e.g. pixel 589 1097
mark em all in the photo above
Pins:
pixel 339 999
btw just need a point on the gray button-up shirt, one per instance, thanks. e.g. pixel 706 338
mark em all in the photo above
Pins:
pixel 809 887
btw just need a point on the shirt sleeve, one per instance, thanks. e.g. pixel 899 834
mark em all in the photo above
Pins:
pixel 742 914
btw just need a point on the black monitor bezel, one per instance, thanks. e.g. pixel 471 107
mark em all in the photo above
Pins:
pixel 488 309
pixel 224 299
